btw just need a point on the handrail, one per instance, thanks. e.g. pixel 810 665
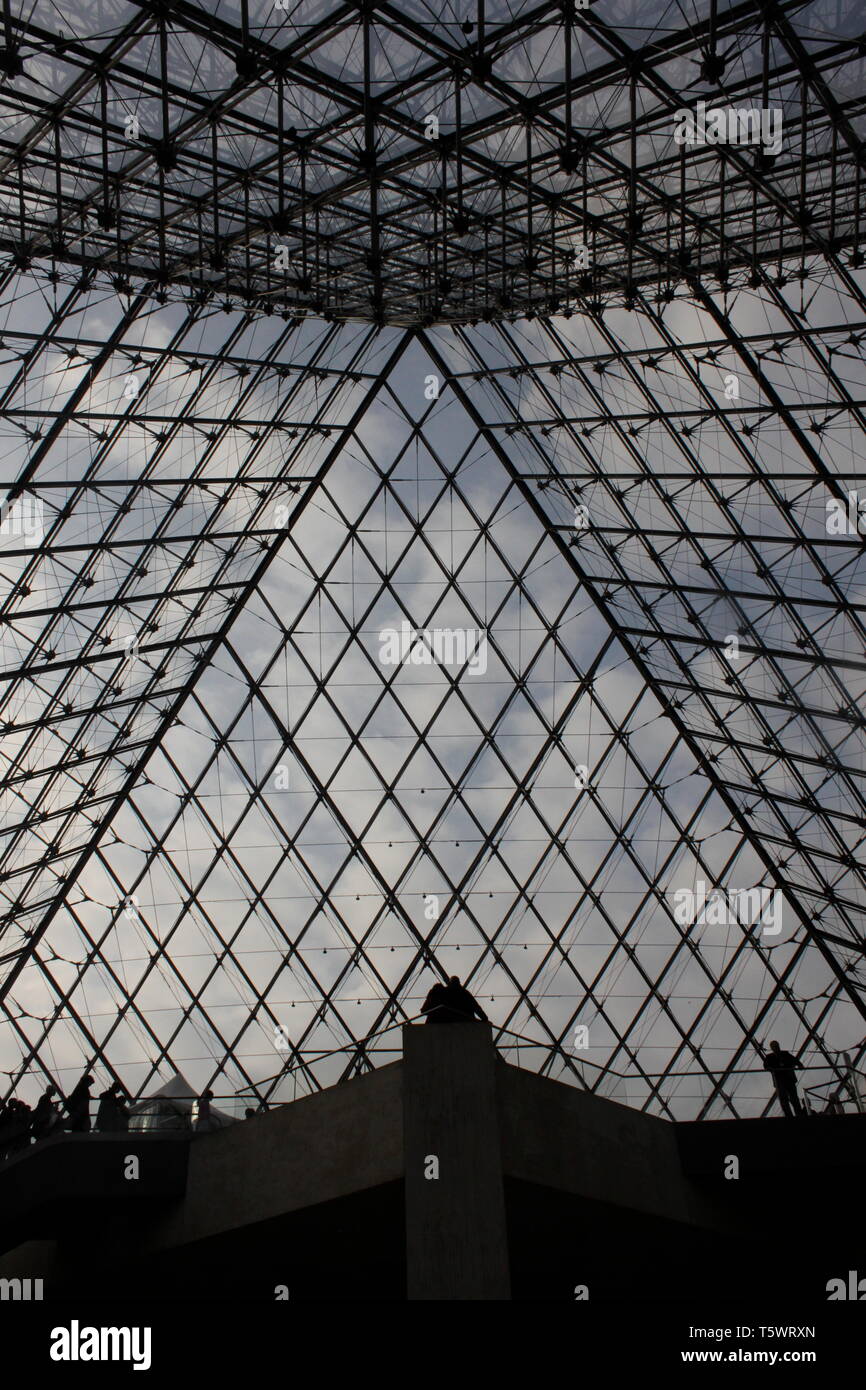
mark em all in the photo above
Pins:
pixel 314 1055
pixel 573 1067
pixel 574 1063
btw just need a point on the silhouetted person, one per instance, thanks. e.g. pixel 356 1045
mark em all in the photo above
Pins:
pixel 121 1111
pixel 781 1066
pixel 112 1115
pixel 105 1111
pixel 459 1005
pixel 434 1004
pixel 18 1117
pixel 203 1120
pixel 7 1124
pixel 45 1114
pixel 249 1112
pixel 78 1106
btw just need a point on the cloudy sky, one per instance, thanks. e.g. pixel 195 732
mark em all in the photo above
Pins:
pixel 227 823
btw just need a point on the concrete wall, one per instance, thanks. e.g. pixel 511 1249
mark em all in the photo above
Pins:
pixel 566 1139
pixel 456 1236
pixel 317 1148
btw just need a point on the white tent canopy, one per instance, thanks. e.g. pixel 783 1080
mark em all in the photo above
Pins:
pixel 176 1098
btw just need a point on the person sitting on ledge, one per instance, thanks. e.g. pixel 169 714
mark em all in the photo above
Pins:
pixel 461 1002
pixel 451 1003
pixel 433 1005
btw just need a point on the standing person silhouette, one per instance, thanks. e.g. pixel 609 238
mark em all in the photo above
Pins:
pixel 781 1066
pixel 45 1115
pixel 18 1119
pixel 203 1119
pixel 111 1111
pixel 121 1109
pixel 78 1106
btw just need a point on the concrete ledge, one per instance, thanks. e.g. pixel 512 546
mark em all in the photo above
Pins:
pixel 559 1137
pixel 314 1150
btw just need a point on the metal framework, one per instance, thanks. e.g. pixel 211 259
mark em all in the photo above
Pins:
pixel 318 319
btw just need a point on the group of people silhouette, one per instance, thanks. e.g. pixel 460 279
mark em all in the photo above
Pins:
pixel 22 1124
pixel 451 1003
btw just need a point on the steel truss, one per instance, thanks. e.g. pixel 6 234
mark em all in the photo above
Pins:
pixel 387 161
